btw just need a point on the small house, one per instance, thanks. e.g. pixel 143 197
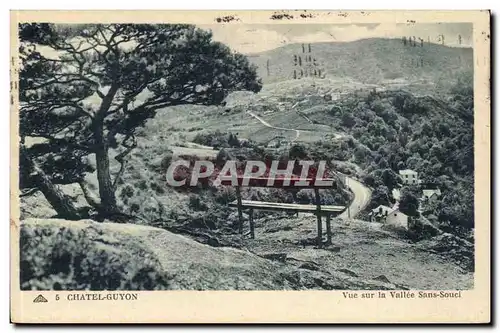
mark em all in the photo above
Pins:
pixel 430 195
pixel 380 213
pixel 391 216
pixel 397 219
pixel 409 177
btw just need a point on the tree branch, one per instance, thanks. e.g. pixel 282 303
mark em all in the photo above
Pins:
pixel 28 192
pixel 54 143
pixel 89 196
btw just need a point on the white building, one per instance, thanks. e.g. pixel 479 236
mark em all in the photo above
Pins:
pixel 391 216
pixel 397 219
pixel 409 177
pixel 431 195
pixel 379 214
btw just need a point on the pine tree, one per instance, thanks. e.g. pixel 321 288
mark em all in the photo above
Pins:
pixel 105 66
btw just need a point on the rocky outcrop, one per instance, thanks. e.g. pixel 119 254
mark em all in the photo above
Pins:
pixel 459 250
pixel 74 255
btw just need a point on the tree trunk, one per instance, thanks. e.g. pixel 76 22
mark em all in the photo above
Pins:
pixel 57 199
pixel 106 188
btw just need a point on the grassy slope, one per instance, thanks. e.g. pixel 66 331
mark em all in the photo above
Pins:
pixel 369 60
pixel 362 249
pixel 127 256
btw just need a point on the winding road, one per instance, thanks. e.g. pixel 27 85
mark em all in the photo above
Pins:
pixel 362 194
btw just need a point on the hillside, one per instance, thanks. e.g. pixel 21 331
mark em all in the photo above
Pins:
pixel 369 60
pixel 110 256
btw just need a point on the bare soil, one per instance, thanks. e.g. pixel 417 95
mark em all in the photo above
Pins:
pixel 361 249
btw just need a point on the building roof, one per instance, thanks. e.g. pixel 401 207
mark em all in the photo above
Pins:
pixel 429 193
pixel 407 172
pixel 384 209
pixel 396 211
pixel 396 193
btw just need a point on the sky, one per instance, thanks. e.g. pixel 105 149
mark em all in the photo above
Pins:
pixel 252 38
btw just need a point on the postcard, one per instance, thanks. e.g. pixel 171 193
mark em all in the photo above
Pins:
pixel 292 166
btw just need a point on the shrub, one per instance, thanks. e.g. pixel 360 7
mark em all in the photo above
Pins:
pixel 157 188
pixel 134 208
pixel 223 156
pixel 303 197
pixel 127 192
pixel 165 162
pixel 335 110
pixel 142 184
pixel 217 139
pixel 297 151
pixel 419 228
pixel 196 203
pixel 225 195
pixel 60 258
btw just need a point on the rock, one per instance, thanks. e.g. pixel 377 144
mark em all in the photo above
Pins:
pixel 319 280
pixel 461 251
pixel 271 230
pixel 112 256
pixel 310 266
pixel 348 272
pixel 332 248
pixel 382 278
pixel 274 256
pixel 36 205
pixel 307 241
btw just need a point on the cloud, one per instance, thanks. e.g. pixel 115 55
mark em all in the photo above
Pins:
pixel 247 38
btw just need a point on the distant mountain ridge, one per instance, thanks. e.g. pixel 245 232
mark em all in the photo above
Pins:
pixel 366 60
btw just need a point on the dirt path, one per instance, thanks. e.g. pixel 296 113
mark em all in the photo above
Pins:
pixel 265 123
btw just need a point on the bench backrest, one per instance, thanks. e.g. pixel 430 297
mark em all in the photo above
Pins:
pixel 283 182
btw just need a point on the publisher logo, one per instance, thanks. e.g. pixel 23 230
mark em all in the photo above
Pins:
pixel 40 299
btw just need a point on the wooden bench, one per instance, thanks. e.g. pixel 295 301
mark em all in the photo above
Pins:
pixel 317 209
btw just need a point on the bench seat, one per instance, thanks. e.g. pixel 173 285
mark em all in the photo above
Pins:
pixel 265 205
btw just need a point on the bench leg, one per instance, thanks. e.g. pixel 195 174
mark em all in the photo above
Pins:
pixel 320 232
pixel 318 215
pixel 240 213
pixel 328 229
pixel 252 227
